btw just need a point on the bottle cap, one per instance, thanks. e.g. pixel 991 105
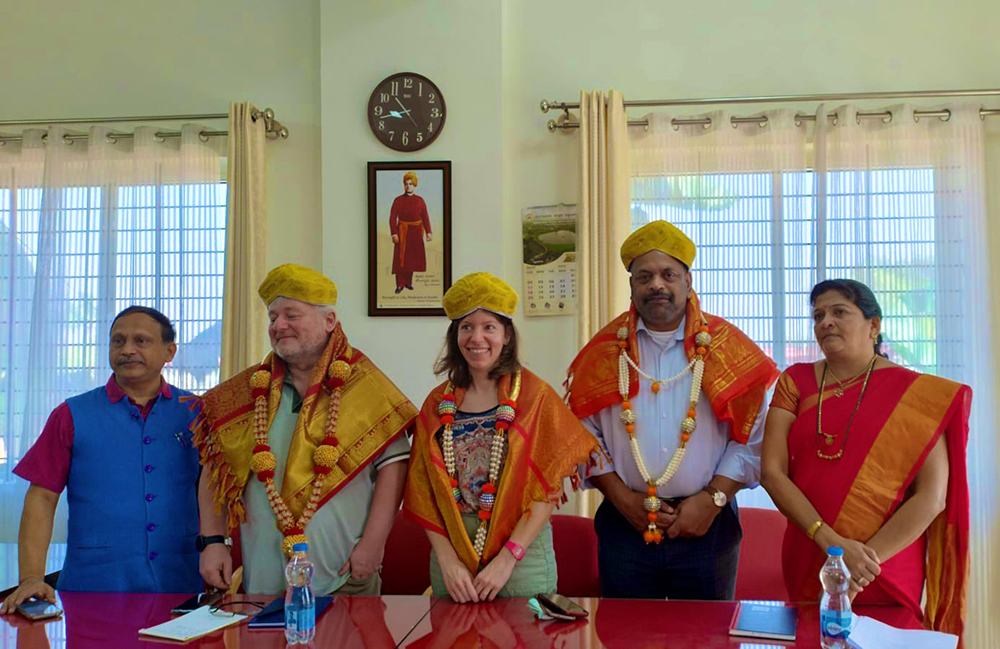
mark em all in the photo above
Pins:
pixel 302 547
pixel 833 551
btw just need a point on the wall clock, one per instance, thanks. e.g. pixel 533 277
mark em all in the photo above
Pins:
pixel 406 111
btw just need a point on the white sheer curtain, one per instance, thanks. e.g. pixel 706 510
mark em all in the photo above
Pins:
pixel 88 227
pixel 899 204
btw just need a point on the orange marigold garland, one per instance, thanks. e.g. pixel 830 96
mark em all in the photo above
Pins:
pixel 325 456
pixel 505 414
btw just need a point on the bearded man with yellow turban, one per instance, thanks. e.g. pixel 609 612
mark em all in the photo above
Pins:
pixel 676 398
pixel 492 446
pixel 307 447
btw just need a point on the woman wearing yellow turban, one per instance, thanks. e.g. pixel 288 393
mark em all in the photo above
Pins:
pixel 493 445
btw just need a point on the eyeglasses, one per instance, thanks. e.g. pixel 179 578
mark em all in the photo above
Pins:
pixel 217 609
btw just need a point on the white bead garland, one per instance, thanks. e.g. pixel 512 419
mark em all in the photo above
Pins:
pixel 497 447
pixel 624 362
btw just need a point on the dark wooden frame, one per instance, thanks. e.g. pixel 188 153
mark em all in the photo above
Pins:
pixel 373 168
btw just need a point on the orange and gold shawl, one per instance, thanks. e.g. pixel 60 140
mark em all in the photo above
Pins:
pixel 737 373
pixel 373 414
pixel 544 445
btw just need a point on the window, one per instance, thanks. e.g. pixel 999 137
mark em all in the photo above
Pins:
pixel 163 247
pixel 761 250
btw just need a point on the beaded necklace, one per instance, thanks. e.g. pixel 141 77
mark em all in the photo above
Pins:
pixel 325 457
pixel 688 425
pixel 505 414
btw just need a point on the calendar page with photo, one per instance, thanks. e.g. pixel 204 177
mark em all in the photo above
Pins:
pixel 549 266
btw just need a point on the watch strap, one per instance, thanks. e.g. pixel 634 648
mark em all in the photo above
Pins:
pixel 516 549
pixel 202 542
pixel 715 493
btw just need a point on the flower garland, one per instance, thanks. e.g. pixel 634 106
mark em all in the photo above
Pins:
pixel 325 457
pixel 688 425
pixel 505 414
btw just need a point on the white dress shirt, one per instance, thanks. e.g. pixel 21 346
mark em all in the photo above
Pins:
pixel 658 416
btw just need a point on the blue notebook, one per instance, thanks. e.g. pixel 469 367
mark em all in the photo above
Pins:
pixel 759 620
pixel 272 616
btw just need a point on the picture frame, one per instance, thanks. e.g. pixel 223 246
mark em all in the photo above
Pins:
pixel 409 237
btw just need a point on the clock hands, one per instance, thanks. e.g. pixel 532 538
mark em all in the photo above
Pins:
pixel 397 114
pixel 406 111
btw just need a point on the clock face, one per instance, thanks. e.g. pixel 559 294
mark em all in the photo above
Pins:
pixel 406 111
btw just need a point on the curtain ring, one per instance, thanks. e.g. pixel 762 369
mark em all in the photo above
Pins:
pixel 887 120
pixel 202 136
pixel 159 138
pixel 947 117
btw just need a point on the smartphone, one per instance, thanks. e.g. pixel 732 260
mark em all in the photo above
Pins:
pixel 561 606
pixel 201 599
pixel 38 609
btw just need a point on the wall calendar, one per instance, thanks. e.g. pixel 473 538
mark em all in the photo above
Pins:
pixel 549 267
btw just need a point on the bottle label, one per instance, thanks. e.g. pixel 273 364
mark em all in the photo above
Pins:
pixel 291 618
pixel 835 624
pixel 307 618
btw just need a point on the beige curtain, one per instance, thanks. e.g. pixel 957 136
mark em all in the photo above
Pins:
pixel 243 315
pixel 603 222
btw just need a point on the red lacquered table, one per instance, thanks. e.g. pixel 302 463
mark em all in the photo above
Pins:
pixel 613 623
pixel 113 620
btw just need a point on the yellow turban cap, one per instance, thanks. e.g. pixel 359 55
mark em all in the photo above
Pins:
pixel 662 236
pixel 479 291
pixel 299 283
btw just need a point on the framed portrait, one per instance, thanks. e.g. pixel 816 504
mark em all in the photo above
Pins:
pixel 409 237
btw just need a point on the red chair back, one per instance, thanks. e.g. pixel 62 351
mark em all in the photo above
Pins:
pixel 406 566
pixel 575 543
pixel 759 574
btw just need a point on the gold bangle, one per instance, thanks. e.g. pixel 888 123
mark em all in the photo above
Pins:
pixel 811 532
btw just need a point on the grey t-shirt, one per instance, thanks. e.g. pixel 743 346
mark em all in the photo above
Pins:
pixel 334 530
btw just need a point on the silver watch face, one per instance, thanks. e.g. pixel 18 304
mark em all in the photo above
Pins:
pixel 719 498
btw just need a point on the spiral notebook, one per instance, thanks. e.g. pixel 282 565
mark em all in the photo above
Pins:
pixel 776 621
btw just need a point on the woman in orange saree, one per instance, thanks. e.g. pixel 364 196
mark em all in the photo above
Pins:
pixel 869 456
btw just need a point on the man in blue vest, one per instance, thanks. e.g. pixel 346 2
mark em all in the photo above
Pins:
pixel 124 455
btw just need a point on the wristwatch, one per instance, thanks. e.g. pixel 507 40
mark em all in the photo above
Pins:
pixel 202 542
pixel 516 549
pixel 718 497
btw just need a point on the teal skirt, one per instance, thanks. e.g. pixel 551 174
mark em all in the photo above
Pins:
pixel 535 573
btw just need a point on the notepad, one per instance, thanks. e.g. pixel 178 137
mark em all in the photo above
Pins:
pixel 759 620
pixel 193 625
pixel 867 633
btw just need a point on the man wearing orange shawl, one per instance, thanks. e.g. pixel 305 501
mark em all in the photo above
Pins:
pixel 527 438
pixel 884 477
pixel 306 447
pixel 676 397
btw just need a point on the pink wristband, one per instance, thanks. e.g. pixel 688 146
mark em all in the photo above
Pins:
pixel 515 549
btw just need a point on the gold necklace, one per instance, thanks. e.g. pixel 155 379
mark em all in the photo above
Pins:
pixel 819 414
pixel 839 391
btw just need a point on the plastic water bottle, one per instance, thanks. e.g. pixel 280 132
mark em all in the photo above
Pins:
pixel 835 606
pixel 300 603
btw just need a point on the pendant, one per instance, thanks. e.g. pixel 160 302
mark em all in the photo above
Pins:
pixel 829 439
pixel 839 392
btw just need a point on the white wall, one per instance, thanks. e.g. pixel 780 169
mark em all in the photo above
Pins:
pixel 495 61
pixel 114 57
pixel 456 45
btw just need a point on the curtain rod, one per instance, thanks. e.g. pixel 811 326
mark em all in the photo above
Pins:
pixel 761 120
pixel 274 129
pixel 564 123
